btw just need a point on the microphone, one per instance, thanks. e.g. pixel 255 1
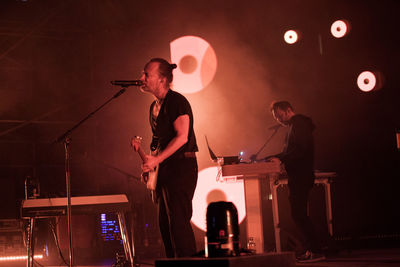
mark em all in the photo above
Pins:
pixel 124 83
pixel 275 127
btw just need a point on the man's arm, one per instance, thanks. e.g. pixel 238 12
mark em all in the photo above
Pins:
pixel 181 126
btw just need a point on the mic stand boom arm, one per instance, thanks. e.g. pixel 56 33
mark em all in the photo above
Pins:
pixel 253 158
pixel 67 140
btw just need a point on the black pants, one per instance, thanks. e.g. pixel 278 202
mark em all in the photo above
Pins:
pixel 175 193
pixel 298 199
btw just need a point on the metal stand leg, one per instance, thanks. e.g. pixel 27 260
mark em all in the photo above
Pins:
pixel 129 254
pixel 274 184
pixel 253 198
pixel 30 244
pixel 275 212
pixel 328 206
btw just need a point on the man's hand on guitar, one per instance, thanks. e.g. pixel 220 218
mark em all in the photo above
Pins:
pixel 144 177
pixel 150 163
pixel 149 166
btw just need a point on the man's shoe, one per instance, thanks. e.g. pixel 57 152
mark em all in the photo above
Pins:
pixel 309 256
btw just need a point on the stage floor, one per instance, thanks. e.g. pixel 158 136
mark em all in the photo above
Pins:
pixel 360 258
pixel 346 258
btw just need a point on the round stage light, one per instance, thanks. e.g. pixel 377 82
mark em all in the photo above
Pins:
pixel 291 36
pixel 210 190
pixel 340 28
pixel 197 63
pixel 366 81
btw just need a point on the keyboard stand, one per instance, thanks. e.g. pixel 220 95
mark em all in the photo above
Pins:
pixel 321 178
pixel 129 253
pixel 31 216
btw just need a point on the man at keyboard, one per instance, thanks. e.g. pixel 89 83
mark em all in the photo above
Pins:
pixel 298 158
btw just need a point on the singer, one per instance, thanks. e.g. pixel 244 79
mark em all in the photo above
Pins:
pixel 171 122
pixel 298 158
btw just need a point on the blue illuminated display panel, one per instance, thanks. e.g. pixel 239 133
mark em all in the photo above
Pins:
pixel 109 227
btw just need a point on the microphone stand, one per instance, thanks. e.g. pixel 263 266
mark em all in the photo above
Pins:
pixel 253 158
pixel 67 141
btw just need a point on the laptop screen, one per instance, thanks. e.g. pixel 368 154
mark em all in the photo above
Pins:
pixel 226 160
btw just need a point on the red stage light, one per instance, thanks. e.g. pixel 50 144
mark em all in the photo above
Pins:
pixel 22 257
pixel 367 81
pixel 197 63
pixel 291 36
pixel 209 190
pixel 340 28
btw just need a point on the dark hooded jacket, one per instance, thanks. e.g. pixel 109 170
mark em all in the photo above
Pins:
pixel 298 153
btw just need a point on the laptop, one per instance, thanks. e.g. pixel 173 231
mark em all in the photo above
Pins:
pixel 222 160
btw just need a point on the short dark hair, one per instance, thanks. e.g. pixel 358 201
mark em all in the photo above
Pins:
pixel 283 105
pixel 164 68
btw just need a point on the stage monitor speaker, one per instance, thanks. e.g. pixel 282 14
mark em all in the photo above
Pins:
pixel 222 230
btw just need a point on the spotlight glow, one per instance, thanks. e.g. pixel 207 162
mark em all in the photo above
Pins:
pixel 209 190
pixel 291 37
pixel 340 28
pixel 15 258
pixel 197 63
pixel 366 81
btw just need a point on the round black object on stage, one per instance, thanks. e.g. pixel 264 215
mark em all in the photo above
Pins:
pixel 222 230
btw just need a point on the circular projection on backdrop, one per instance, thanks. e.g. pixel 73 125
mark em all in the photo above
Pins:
pixel 291 36
pixel 197 63
pixel 367 81
pixel 209 190
pixel 340 28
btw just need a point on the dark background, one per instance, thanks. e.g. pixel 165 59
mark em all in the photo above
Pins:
pixel 57 58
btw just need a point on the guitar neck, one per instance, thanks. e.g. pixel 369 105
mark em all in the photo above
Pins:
pixel 142 154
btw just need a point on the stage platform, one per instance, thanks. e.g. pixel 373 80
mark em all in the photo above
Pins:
pixel 283 259
pixel 345 258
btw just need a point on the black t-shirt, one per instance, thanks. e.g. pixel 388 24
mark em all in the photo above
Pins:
pixel 173 106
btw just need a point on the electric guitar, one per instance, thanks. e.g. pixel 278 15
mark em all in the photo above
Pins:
pixel 149 178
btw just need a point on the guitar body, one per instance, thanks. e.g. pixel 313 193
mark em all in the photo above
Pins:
pixel 149 178
pixel 152 176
